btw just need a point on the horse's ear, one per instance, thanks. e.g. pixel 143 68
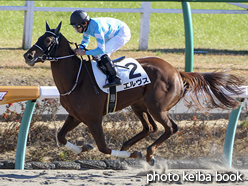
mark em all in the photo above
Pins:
pixel 58 28
pixel 47 27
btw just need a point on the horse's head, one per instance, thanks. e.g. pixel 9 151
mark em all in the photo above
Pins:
pixel 45 48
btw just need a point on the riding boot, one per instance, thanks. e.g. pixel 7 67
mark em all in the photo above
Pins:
pixel 113 78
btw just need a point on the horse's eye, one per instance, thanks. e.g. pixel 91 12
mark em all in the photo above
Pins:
pixel 47 41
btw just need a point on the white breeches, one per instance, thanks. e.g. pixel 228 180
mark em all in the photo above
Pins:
pixel 116 42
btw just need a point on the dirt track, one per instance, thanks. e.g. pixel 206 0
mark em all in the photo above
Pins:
pixel 136 177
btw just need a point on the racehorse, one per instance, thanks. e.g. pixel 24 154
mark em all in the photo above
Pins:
pixel 150 102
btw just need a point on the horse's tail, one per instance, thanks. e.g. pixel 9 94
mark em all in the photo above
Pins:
pixel 215 88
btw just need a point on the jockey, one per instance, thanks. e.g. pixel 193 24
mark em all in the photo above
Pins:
pixel 111 34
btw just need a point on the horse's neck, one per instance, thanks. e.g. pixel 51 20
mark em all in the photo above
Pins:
pixel 65 71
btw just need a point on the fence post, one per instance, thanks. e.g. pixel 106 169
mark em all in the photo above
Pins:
pixel 23 135
pixel 230 135
pixel 189 46
pixel 28 25
pixel 144 25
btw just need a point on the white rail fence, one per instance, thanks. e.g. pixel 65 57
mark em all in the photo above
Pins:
pixel 52 92
pixel 145 10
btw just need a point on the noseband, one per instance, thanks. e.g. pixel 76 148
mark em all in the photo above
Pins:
pixel 49 49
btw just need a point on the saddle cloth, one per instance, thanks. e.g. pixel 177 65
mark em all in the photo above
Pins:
pixel 132 75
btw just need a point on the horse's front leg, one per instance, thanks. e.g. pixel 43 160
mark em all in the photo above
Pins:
pixel 69 125
pixel 98 135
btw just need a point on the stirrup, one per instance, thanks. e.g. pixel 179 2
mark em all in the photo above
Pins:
pixel 114 83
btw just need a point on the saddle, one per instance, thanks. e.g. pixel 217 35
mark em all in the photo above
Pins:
pixel 112 96
pixel 102 67
pixel 131 73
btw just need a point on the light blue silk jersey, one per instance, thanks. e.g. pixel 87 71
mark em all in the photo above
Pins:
pixel 102 29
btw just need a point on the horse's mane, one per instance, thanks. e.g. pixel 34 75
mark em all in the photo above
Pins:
pixel 67 41
pixel 62 37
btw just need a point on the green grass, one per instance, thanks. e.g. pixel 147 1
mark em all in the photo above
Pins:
pixel 214 31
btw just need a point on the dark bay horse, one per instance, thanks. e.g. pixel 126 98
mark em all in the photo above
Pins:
pixel 149 102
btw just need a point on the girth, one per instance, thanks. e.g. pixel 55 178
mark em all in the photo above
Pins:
pixel 112 95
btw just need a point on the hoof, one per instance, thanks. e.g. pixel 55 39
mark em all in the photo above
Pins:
pixel 86 147
pixel 89 147
pixel 122 159
pixel 136 155
pixel 152 162
pixel 139 155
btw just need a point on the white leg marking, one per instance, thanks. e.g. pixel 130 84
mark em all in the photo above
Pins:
pixel 121 154
pixel 73 148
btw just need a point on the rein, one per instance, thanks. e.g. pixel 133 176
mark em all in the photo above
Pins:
pixel 45 57
pixel 79 70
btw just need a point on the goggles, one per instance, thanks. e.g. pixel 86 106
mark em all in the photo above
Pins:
pixel 77 26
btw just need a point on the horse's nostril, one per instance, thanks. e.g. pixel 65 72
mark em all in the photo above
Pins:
pixel 29 57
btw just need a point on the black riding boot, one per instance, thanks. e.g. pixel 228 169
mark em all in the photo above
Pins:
pixel 113 78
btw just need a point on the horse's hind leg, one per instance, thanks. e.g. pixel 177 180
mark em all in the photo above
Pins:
pixel 69 125
pixel 170 128
pixel 147 121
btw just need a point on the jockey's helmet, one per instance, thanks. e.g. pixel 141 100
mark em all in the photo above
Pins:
pixel 79 17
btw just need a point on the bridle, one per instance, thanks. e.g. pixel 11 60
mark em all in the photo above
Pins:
pixel 47 56
pixel 49 49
